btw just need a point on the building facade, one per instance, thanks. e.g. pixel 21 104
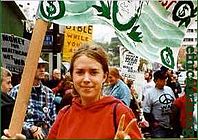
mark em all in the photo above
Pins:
pixel 11 18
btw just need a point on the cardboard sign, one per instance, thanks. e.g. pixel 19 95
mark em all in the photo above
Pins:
pixel 74 37
pixel 14 52
pixel 129 63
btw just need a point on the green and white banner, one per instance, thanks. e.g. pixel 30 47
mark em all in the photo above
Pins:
pixel 153 30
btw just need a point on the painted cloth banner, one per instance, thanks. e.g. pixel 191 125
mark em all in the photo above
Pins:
pixel 74 37
pixel 152 30
pixel 129 63
pixel 14 51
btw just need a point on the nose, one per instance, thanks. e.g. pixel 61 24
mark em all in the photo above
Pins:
pixel 42 70
pixel 86 78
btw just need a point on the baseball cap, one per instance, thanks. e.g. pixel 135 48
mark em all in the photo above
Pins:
pixel 41 61
pixel 159 75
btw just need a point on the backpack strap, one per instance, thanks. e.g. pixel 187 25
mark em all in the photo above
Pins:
pixel 115 116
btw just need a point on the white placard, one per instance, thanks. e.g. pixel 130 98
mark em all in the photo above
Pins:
pixel 129 63
pixel 14 51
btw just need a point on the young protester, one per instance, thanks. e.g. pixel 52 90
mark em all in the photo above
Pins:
pixel 91 114
pixel 7 103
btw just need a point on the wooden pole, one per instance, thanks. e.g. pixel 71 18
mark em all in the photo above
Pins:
pixel 28 76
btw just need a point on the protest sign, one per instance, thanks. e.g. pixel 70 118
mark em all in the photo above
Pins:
pixel 14 52
pixel 129 63
pixel 74 37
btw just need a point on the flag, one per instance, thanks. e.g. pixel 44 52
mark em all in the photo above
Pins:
pixel 153 30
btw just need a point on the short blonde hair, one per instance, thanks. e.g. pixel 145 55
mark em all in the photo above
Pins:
pixel 5 73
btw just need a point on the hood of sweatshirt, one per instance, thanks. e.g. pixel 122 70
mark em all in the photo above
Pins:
pixel 105 101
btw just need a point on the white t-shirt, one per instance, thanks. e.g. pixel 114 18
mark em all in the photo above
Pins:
pixel 146 86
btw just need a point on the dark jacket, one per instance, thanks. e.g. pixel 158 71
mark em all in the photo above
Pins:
pixel 7 105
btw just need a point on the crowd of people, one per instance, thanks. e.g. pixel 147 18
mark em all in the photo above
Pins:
pixel 92 100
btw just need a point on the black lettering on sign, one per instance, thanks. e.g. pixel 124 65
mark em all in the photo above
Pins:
pixel 16 46
pixel 18 61
pixel 84 29
pixel 13 39
pixel 8 56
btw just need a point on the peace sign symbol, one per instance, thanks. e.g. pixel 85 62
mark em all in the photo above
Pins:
pixel 123 133
pixel 166 99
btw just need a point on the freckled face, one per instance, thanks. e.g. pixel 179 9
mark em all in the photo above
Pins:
pixel 88 78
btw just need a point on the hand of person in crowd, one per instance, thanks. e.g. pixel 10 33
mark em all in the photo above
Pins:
pixel 123 133
pixel 8 136
pixel 143 123
pixel 37 132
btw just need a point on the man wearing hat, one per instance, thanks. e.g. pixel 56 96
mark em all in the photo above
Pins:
pixel 157 107
pixel 41 110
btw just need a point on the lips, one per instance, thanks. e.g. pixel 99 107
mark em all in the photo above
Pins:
pixel 87 87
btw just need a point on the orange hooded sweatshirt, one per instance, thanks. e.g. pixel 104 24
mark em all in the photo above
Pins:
pixel 94 121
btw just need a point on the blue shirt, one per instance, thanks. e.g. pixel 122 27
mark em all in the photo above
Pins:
pixel 41 98
pixel 120 91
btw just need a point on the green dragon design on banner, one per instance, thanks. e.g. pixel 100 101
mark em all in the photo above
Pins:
pixel 105 11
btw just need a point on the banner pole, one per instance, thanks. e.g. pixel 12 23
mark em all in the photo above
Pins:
pixel 28 76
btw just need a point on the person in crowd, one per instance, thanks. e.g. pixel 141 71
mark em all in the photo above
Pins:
pixel 62 86
pixel 117 87
pixel 175 85
pixel 41 110
pixel 130 84
pixel 7 103
pixel 134 104
pixel 165 71
pixel 148 82
pixel 179 107
pixel 157 107
pixel 46 79
pixel 90 114
pixel 63 92
pixel 55 79
pixel 172 81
